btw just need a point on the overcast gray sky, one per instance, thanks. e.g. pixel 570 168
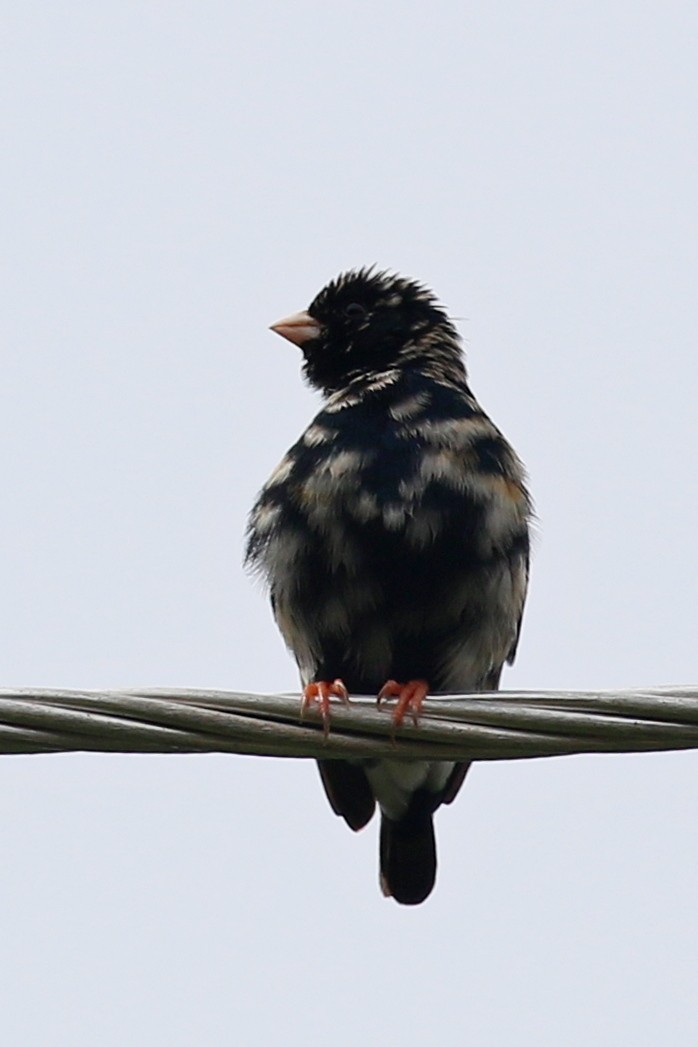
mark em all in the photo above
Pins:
pixel 175 178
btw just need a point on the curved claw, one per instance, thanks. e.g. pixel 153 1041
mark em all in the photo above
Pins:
pixel 319 693
pixel 409 695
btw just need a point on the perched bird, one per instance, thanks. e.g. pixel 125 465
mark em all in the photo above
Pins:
pixel 394 537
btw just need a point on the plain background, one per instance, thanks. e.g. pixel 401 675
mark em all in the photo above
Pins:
pixel 175 178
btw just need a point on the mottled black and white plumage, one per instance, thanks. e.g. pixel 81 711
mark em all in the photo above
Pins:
pixel 394 537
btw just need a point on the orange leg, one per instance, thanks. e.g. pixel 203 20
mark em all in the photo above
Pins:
pixel 320 692
pixel 409 695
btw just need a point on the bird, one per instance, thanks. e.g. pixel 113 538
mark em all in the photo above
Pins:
pixel 394 538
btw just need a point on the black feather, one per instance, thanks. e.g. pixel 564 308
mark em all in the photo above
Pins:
pixel 348 791
pixel 408 856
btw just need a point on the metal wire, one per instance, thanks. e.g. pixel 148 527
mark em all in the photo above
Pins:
pixel 501 726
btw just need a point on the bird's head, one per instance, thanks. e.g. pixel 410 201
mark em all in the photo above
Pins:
pixel 366 322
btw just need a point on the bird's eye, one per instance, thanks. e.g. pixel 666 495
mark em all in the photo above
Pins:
pixel 355 311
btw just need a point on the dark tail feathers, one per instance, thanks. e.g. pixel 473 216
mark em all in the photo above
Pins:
pixel 408 857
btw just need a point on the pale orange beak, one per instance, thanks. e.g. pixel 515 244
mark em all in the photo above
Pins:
pixel 299 328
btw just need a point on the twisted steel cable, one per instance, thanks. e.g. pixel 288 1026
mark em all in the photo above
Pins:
pixel 501 726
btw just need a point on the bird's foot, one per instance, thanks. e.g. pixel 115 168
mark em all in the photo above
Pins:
pixel 410 696
pixel 319 693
